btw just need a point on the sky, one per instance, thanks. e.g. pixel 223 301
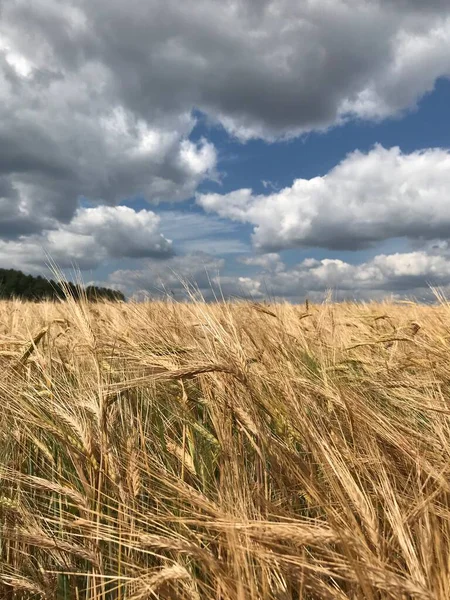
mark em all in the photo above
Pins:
pixel 264 149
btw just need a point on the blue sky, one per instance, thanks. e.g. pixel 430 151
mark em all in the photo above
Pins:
pixel 252 146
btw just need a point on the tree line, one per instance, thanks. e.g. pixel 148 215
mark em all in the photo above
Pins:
pixel 15 284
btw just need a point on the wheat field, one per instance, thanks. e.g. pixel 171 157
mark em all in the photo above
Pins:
pixel 228 451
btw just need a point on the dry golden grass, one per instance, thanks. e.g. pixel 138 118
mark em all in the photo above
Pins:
pixel 227 451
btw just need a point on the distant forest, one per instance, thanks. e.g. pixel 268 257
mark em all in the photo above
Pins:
pixel 15 284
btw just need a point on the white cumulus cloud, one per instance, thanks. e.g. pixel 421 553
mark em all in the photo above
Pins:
pixel 91 237
pixel 366 198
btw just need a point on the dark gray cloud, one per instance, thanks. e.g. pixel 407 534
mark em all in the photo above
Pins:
pixel 65 129
pixel 269 68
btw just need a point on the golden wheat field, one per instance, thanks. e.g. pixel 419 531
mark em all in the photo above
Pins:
pixel 228 451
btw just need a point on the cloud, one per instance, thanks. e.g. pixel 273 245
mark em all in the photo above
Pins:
pixel 366 198
pixel 400 274
pixel 66 133
pixel 271 67
pixel 91 237
pixel 123 232
pixel 198 270
pixel 97 97
pixel 268 262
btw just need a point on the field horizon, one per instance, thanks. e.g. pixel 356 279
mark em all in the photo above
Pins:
pixel 225 451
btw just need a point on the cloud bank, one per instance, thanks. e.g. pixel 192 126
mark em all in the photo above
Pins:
pixel 399 273
pixel 410 274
